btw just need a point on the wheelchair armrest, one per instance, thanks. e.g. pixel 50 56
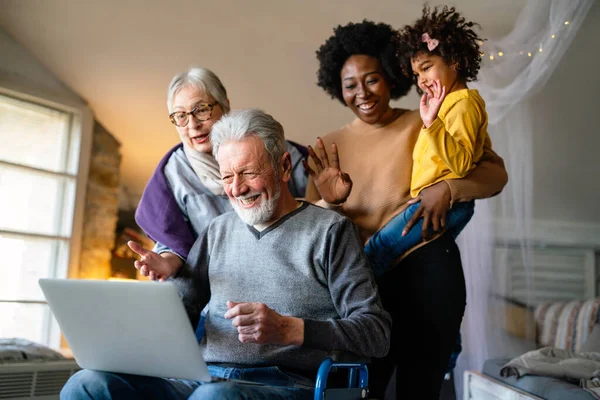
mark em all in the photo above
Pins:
pixel 358 374
pixel 345 357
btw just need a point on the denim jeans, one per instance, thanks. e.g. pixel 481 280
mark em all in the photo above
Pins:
pixel 277 384
pixel 388 244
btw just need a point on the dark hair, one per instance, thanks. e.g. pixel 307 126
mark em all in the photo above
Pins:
pixel 458 43
pixel 364 38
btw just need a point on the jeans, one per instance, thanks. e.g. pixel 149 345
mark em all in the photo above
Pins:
pixel 388 244
pixel 277 384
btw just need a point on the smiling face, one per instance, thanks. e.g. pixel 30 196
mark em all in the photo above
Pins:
pixel 428 68
pixel 196 134
pixel 365 89
pixel 250 181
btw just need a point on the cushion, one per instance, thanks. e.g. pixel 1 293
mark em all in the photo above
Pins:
pixel 592 343
pixel 21 350
pixel 541 386
pixel 566 325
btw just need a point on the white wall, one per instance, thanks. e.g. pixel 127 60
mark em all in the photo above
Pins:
pixel 566 136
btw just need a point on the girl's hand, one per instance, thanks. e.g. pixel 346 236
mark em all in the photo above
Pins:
pixel 333 184
pixel 435 203
pixel 431 102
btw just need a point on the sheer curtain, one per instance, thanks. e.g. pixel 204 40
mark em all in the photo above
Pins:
pixel 515 67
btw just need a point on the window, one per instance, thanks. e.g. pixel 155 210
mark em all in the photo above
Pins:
pixel 39 158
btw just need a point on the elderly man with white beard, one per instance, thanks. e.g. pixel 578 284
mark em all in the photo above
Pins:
pixel 286 282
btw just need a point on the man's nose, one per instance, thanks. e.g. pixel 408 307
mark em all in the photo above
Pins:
pixel 238 186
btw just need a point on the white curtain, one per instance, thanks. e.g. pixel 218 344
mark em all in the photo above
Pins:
pixel 515 67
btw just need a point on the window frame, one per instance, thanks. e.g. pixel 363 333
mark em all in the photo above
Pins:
pixel 81 136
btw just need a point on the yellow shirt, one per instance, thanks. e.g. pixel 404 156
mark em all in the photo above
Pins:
pixel 451 146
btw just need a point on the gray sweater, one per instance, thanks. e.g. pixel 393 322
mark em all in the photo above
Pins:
pixel 310 264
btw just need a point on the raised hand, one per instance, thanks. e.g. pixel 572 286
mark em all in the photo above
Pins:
pixel 257 323
pixel 153 265
pixel 431 102
pixel 333 184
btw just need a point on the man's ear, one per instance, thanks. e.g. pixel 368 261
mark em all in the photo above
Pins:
pixel 285 167
pixel 228 104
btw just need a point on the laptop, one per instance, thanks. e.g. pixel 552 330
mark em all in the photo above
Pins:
pixel 131 327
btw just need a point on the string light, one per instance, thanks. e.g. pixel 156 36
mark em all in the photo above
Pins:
pixel 521 52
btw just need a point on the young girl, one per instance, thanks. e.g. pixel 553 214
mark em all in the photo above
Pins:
pixel 441 51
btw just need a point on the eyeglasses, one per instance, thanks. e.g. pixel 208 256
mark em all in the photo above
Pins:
pixel 201 112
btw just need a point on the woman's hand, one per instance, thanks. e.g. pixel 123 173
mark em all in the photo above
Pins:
pixel 333 184
pixel 431 102
pixel 154 265
pixel 435 203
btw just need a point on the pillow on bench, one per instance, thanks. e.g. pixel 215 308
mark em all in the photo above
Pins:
pixel 593 341
pixel 566 325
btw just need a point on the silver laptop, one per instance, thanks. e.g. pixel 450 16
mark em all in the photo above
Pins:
pixel 132 327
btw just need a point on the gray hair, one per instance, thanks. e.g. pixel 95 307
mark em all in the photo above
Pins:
pixel 202 78
pixel 241 124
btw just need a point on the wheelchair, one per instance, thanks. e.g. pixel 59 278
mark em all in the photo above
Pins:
pixel 357 383
pixel 358 374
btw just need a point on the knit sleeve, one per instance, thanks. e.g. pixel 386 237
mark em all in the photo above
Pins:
pixel 364 326
pixel 487 179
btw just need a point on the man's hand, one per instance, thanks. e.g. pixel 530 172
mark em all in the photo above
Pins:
pixel 431 102
pixel 333 184
pixel 435 202
pixel 257 323
pixel 153 265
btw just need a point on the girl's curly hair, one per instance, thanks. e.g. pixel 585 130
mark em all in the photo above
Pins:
pixel 458 43
pixel 364 38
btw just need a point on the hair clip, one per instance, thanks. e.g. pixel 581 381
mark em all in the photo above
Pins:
pixel 431 43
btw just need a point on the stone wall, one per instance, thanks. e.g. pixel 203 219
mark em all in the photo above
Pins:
pixel 101 206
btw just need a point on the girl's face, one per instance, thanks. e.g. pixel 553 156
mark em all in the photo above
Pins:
pixel 196 134
pixel 365 89
pixel 428 68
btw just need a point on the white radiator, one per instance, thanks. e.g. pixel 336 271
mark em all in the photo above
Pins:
pixel 35 380
pixel 557 274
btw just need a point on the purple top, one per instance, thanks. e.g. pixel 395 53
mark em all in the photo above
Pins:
pixel 158 213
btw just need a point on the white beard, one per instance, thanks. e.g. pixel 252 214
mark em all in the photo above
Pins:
pixel 260 214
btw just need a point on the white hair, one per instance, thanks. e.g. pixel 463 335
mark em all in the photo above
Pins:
pixel 202 78
pixel 241 124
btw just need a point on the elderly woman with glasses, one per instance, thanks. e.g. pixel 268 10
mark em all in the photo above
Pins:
pixel 185 193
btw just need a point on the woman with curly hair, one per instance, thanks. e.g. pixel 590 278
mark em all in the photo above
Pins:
pixel 426 294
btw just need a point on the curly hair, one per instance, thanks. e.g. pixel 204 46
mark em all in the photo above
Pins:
pixel 364 38
pixel 458 43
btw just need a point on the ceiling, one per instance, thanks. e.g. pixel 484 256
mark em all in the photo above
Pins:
pixel 120 55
